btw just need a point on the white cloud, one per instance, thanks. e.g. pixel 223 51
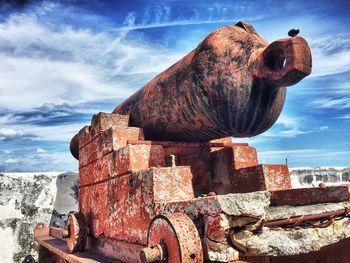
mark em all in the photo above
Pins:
pixel 53 161
pixel 42 65
pixel 214 13
pixel 40 150
pixel 330 103
pixel 10 161
pixel 330 54
pixel 322 128
pixel 48 133
pixel 286 127
pixel 346 117
pixel 7 134
pixel 186 22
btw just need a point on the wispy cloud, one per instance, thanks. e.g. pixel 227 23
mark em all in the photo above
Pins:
pixel 48 65
pixel 33 161
pixel 48 114
pixel 162 16
pixel 331 103
pixel 158 14
pixel 286 127
pixel 336 96
pixel 9 134
pixel 290 126
pixel 346 117
pixel 10 161
pixel 331 54
pixel 40 150
pixel 57 133
pixel 175 23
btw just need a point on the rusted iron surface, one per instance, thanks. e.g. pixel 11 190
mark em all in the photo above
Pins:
pixel 232 84
pixel 58 232
pixel 41 230
pixel 305 196
pixel 99 123
pixel 238 245
pixel 125 160
pixel 178 237
pixel 262 177
pixel 77 232
pixel 127 201
pixel 56 250
pixel 198 159
pixel 113 248
pixel 107 141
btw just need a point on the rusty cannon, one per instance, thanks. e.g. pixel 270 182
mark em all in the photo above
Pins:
pixel 160 179
pixel 233 84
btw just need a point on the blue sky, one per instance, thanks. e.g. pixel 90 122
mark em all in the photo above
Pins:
pixel 63 61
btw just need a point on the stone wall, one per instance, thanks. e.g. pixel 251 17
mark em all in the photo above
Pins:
pixel 25 200
pixel 305 177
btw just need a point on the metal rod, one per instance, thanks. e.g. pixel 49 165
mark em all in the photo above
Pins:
pixel 304 218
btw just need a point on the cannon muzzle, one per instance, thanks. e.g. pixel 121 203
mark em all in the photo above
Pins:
pixel 285 62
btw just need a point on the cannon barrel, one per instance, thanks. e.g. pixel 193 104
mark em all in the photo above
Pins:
pixel 232 84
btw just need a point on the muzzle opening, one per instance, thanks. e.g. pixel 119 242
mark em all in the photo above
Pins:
pixel 275 59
